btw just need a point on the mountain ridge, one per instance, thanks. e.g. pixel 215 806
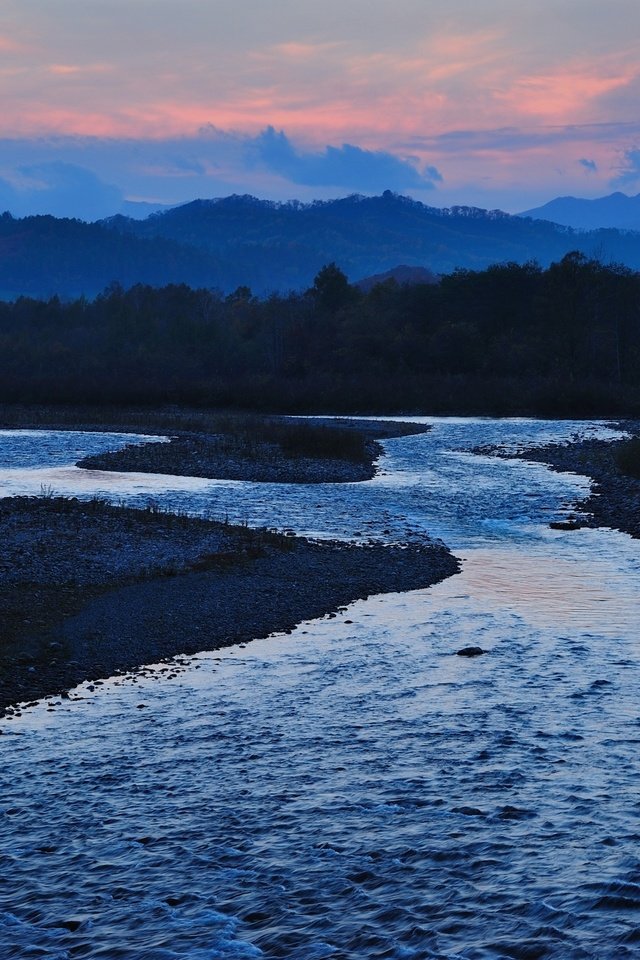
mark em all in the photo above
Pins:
pixel 272 246
pixel 616 211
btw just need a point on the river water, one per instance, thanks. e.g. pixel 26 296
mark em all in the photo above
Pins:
pixel 354 789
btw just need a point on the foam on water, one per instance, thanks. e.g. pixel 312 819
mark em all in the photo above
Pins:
pixel 356 789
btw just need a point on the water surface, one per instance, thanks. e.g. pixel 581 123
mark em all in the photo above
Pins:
pixel 355 789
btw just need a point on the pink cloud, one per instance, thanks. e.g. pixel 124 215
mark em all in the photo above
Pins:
pixel 300 52
pixel 41 121
pixel 74 69
pixel 9 45
pixel 63 69
pixel 334 92
pixel 565 95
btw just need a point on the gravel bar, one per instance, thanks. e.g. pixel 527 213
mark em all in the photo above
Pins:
pixel 224 457
pixel 88 590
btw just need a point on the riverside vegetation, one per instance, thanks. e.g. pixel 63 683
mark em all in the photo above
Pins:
pixel 512 339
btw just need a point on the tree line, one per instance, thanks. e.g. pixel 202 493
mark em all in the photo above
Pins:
pixel 512 339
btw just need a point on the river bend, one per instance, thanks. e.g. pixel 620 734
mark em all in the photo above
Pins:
pixel 355 789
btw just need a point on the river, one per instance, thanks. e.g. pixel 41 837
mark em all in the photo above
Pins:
pixel 354 789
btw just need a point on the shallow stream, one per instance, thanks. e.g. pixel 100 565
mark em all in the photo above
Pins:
pixel 354 789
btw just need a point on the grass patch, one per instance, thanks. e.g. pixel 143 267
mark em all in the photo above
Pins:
pixel 628 457
pixel 297 439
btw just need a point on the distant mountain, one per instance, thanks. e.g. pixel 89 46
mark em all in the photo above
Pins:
pixel 616 211
pixel 267 246
pixel 403 275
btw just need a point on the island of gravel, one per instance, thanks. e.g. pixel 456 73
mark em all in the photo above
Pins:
pixel 614 499
pixel 282 450
pixel 89 589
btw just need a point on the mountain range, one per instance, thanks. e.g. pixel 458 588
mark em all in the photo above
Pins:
pixel 617 211
pixel 269 246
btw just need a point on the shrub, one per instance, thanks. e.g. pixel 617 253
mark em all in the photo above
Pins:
pixel 628 457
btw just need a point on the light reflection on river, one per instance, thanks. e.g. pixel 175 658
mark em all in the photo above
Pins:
pixel 356 790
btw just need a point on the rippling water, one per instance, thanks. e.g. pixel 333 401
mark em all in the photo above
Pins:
pixel 353 790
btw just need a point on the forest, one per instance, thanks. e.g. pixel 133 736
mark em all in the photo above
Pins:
pixel 514 339
pixel 280 246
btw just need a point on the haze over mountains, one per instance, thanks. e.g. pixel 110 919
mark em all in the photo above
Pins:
pixel 269 246
pixel 617 210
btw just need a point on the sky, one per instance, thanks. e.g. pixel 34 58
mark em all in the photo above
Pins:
pixel 490 103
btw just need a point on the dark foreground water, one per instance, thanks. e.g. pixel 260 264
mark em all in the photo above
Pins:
pixel 354 790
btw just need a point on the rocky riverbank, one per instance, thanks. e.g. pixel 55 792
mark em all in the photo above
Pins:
pixel 615 496
pixel 224 444
pixel 319 450
pixel 88 589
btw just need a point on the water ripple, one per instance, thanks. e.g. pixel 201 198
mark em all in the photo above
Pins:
pixel 355 789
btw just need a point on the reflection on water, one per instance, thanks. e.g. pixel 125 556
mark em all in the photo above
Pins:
pixel 356 789
pixel 599 594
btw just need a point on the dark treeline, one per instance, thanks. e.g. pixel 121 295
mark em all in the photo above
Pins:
pixel 513 339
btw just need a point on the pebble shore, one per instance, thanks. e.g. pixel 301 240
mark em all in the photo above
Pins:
pixel 88 590
pixel 224 457
pixel 615 497
pixel 614 500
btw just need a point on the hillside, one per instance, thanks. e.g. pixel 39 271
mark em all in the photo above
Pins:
pixel 283 245
pixel 267 246
pixel 41 256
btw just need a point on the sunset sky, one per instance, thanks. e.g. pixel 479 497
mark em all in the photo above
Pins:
pixel 493 103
